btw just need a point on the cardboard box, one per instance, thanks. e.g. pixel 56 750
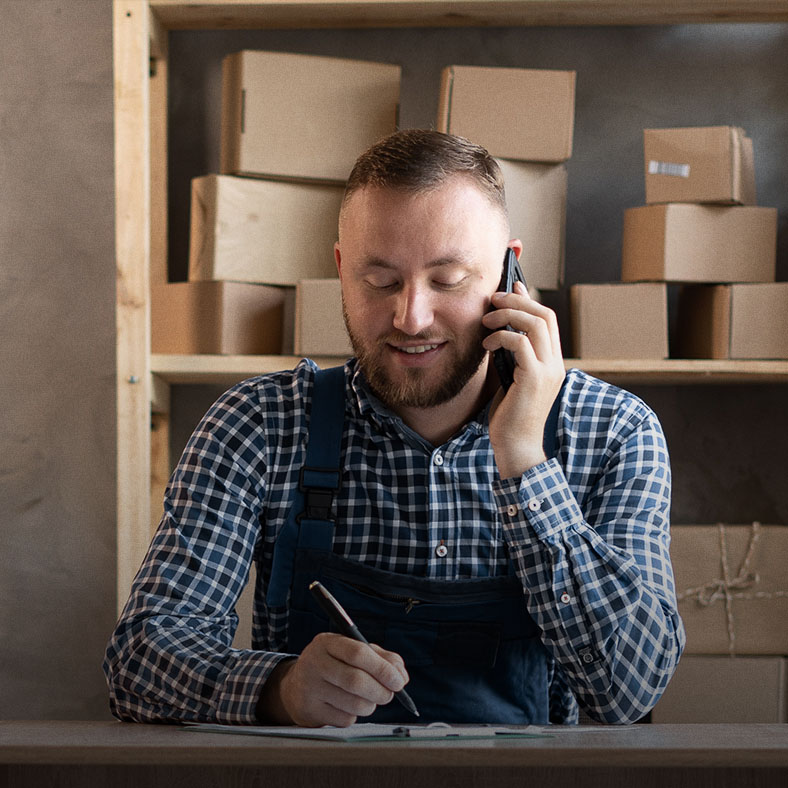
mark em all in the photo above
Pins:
pixel 679 242
pixel 619 320
pixel 320 326
pixel 516 113
pixel 733 321
pixel 725 689
pixel 303 116
pixel 224 318
pixel 732 575
pixel 706 164
pixel 536 198
pixel 269 232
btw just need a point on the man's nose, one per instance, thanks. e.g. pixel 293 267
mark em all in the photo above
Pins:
pixel 413 311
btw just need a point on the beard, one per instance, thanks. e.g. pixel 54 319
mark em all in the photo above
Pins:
pixel 416 388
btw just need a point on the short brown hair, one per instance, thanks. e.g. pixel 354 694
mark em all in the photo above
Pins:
pixel 422 159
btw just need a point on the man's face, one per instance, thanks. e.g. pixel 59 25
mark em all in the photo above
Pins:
pixel 417 274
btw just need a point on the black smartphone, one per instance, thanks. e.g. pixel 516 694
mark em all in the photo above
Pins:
pixel 504 359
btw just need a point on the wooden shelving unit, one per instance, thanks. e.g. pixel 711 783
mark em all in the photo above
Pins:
pixel 226 370
pixel 140 38
pixel 240 14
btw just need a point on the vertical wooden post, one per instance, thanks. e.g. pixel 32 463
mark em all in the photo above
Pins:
pixel 160 417
pixel 160 467
pixel 131 61
pixel 159 62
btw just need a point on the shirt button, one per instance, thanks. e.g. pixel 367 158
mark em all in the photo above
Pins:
pixel 586 655
pixel 534 504
pixel 511 510
pixel 565 598
pixel 441 550
pixel 438 459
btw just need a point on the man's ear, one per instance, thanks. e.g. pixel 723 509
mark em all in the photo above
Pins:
pixel 517 246
pixel 338 258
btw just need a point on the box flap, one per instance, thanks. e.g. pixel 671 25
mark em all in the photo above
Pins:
pixel 444 100
pixel 744 170
pixel 232 112
pixel 202 227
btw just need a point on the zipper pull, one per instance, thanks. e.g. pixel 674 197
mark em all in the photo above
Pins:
pixel 410 604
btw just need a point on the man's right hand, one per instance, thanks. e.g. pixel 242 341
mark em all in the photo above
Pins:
pixel 334 681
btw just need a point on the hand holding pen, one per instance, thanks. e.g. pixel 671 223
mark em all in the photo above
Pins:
pixel 342 621
pixel 335 680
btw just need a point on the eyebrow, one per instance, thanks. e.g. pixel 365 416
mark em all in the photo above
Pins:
pixel 380 262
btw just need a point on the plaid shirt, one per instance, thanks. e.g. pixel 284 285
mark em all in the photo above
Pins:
pixel 586 532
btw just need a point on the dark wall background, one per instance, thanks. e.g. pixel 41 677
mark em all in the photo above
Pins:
pixel 728 443
pixel 57 396
pixel 57 363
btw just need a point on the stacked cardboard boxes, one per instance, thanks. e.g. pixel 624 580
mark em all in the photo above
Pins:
pixel 700 229
pixel 292 126
pixel 733 600
pixel 525 118
pixel 700 222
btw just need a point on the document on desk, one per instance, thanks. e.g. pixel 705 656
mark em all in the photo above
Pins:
pixel 371 731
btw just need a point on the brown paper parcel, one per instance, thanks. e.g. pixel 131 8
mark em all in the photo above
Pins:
pixel 731 583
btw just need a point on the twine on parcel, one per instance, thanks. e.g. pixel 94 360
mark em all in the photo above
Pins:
pixel 730 588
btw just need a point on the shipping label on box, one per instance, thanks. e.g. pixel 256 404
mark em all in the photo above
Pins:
pixel 515 113
pixel 680 242
pixel 319 324
pixel 303 116
pixel 536 200
pixel 714 689
pixel 619 320
pixel 268 232
pixel 217 318
pixel 707 164
pixel 732 587
pixel 745 321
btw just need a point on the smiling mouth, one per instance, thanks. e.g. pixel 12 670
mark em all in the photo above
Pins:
pixel 416 349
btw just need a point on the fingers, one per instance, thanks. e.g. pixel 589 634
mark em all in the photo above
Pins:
pixel 395 661
pixel 526 316
pixel 336 680
pixel 369 672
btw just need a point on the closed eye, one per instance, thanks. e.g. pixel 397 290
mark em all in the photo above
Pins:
pixel 451 285
pixel 381 286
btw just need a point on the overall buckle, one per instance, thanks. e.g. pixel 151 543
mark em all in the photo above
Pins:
pixel 319 485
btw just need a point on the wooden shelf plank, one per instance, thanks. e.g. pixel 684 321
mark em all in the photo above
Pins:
pixel 226 370
pixel 175 369
pixel 240 14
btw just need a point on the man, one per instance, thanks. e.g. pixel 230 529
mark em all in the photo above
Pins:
pixel 506 554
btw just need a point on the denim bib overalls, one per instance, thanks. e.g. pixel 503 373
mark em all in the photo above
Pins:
pixel 471 649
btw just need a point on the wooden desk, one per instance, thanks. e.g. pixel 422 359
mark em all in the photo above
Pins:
pixel 136 756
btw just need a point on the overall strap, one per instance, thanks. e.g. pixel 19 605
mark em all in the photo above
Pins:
pixel 550 438
pixel 308 525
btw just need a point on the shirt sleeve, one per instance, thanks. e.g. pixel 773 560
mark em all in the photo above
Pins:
pixel 593 556
pixel 171 655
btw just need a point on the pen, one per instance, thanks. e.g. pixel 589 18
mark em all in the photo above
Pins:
pixel 344 623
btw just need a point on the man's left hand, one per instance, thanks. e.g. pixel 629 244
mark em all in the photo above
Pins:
pixel 518 419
